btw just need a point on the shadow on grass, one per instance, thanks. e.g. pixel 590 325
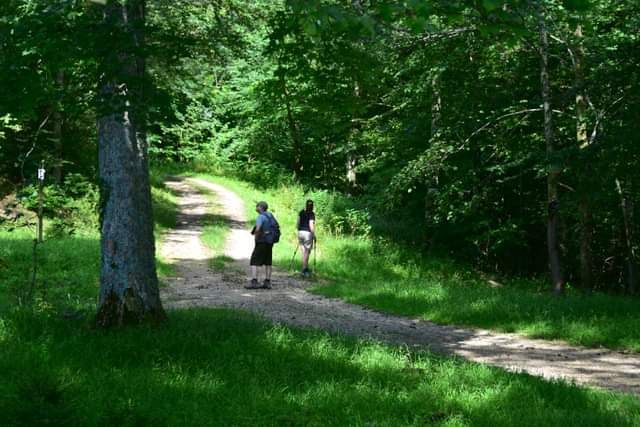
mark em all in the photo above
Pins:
pixel 217 367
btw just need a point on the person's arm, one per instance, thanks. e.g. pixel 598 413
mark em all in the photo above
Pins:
pixel 258 227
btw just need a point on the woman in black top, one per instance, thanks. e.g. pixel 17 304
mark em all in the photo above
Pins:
pixel 306 234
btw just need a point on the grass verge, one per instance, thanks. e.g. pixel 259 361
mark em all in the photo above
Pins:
pixel 165 212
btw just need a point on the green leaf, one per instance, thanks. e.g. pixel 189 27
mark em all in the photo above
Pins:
pixel 577 5
pixel 491 5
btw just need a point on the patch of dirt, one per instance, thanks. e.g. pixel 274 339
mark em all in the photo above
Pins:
pixel 198 285
pixel 11 210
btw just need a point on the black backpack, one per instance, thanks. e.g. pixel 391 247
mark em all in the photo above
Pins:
pixel 273 234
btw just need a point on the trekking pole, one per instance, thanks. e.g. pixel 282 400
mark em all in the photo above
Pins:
pixel 293 257
pixel 315 250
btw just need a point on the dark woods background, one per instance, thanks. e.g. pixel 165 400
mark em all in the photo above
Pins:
pixel 421 121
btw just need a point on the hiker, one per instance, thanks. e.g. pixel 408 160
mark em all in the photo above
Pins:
pixel 266 232
pixel 306 234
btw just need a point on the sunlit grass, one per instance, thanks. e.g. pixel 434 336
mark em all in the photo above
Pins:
pixel 444 292
pixel 66 269
pixel 165 211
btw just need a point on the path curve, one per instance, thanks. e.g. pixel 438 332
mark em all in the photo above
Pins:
pixel 197 285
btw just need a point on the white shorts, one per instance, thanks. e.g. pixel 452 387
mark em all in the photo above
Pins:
pixel 305 239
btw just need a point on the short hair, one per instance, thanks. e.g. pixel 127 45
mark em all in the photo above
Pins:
pixel 262 205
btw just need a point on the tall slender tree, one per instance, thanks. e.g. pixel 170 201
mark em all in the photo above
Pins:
pixel 553 245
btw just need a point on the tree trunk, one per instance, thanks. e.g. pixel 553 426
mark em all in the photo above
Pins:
pixel 436 106
pixel 58 120
pixel 352 178
pixel 553 245
pixel 293 128
pixel 436 115
pixel 582 140
pixel 128 280
pixel 586 237
pixel 627 213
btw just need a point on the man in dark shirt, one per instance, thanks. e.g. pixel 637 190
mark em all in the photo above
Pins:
pixel 306 234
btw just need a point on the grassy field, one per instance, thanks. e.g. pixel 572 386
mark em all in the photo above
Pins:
pixel 220 367
pixel 217 367
pixel 391 278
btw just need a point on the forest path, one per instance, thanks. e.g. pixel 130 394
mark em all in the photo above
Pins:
pixel 198 285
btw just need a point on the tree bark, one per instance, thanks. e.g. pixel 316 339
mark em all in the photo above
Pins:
pixel 293 128
pixel 436 106
pixel 553 244
pixel 436 115
pixel 58 120
pixel 627 214
pixel 582 140
pixel 128 280
pixel 351 162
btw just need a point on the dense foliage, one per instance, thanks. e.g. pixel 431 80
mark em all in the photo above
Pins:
pixel 423 121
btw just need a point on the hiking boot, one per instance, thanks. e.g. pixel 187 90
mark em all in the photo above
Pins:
pixel 252 285
pixel 266 284
pixel 306 272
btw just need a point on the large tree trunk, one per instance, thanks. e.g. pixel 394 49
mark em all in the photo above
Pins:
pixel 128 281
pixel 553 244
pixel 582 140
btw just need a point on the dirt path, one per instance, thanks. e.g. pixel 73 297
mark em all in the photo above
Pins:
pixel 197 285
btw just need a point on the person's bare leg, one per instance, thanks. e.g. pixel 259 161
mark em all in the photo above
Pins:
pixel 254 272
pixel 267 272
pixel 305 258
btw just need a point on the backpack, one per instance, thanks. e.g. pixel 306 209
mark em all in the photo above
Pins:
pixel 273 234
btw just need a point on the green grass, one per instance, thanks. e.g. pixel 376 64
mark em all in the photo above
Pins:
pixel 68 266
pixel 443 292
pixel 217 367
pixel 165 210
pixel 67 272
pixel 393 279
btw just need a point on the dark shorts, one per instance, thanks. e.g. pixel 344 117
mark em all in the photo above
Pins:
pixel 262 254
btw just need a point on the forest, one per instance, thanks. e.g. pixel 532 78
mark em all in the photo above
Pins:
pixel 502 133
pixel 473 162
